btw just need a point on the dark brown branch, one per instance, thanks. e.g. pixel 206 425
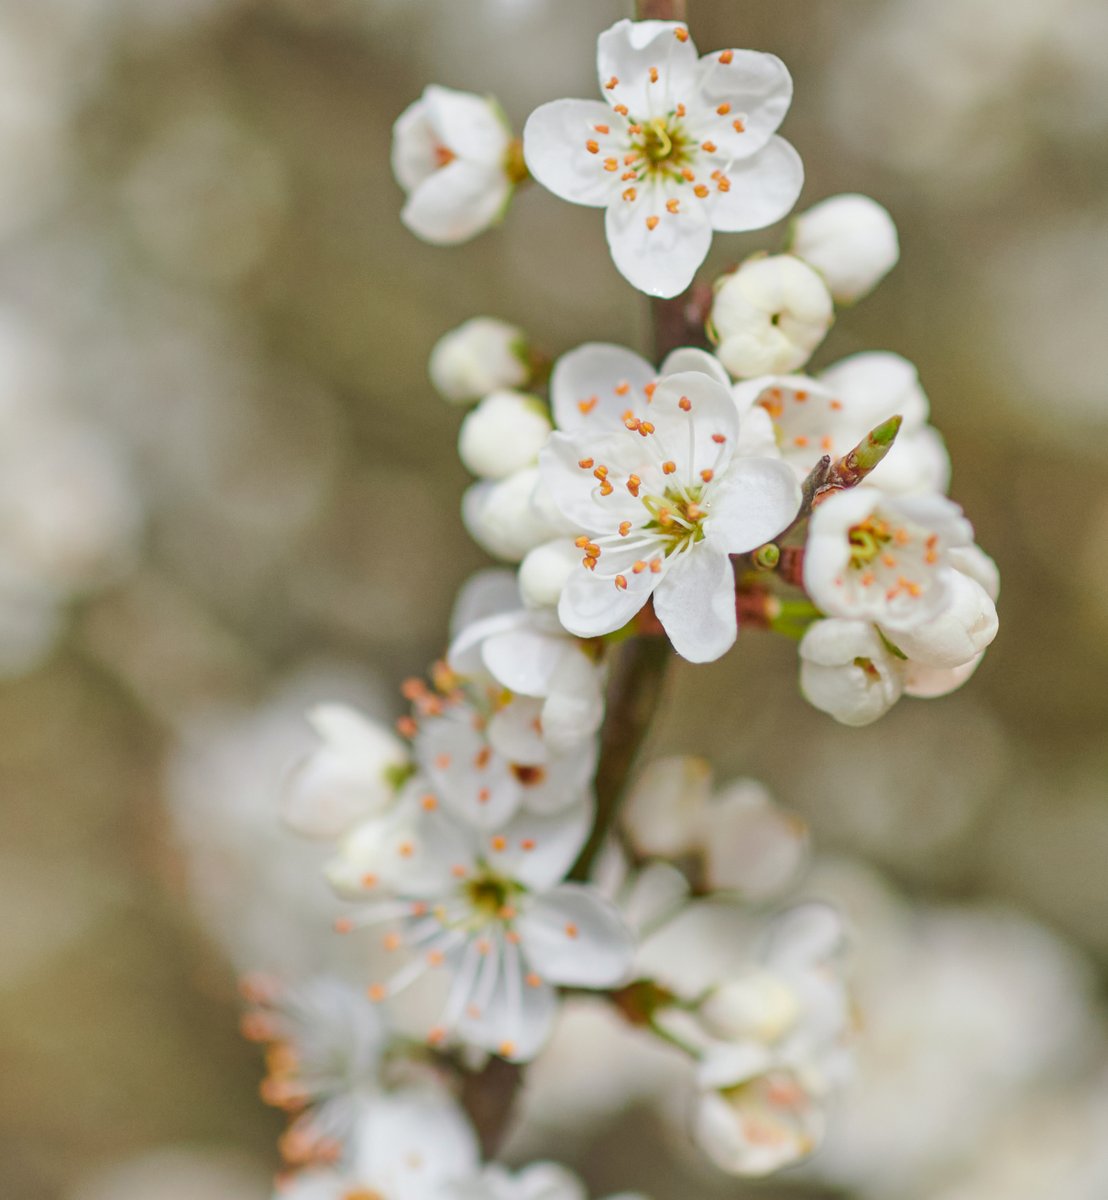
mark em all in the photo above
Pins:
pixel 633 699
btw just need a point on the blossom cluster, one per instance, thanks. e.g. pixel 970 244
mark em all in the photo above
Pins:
pixel 478 847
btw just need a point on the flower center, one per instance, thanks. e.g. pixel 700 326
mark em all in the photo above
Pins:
pixel 489 896
pixel 662 147
pixel 677 515
pixel 867 540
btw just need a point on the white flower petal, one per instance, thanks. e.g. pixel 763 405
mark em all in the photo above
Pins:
pixel 468 125
pixel 592 605
pixel 584 383
pixel 656 251
pixel 628 51
pixel 539 849
pixel 695 603
pixel 414 146
pixel 575 489
pixel 574 937
pixel 689 358
pixel 518 1017
pixel 456 203
pixel 754 503
pixel 759 89
pixel 555 149
pixel 764 188
pixel 696 424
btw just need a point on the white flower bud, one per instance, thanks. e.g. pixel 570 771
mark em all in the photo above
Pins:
pixel 971 560
pixel 503 434
pixel 352 775
pixel 928 683
pixel 851 241
pixel 958 634
pixel 546 570
pixel 848 672
pixel 769 316
pixel 477 358
pixel 504 516
pixel 759 1005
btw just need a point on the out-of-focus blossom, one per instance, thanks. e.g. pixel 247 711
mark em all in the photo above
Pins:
pixel 177 1173
pixel 481 356
pixel 490 909
pixel 683 146
pixel 451 155
pixel 769 316
pixel 353 774
pixel 851 241
pixel 848 671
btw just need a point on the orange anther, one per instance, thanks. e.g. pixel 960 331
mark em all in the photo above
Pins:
pixel 836 405
pixel 653 74
pixel 527 844
pixel 622 389
pixel 738 126
pixel 800 440
pixel 377 992
pixel 621 109
pixel 406 727
pixel 611 164
pixel 724 184
pixel 701 190
pixel 484 796
pixel 633 485
pixel 826 442
pixel 624 528
pixel 679 111
pixel 632 423
pixel 628 176
pixel 436 1036
pixel 681 33
pixel 655 565
pixel 405 849
pixel 571 930
pixel 650 389
pixel 507 1049
pixel 639 567
pixel 707 474
pixel 708 147
pixel 630 194
pixel 673 205
pixel 621 582
pixel 646 427
pixel 429 802
pixel 602 128
pixel 436 958
pixel 684 404
pixel 592 147
pixel 583 540
pixel 688 174
pixel 652 223
pixel 586 406
pixel 499 842
pixel 369 880
pixel 605 488
pixel 601 472
pixel 724 109
pixel 718 438
pixel 726 57
pixel 668 467
pixel 612 83
pixel 532 980
pixel 344 925
pixel 458 871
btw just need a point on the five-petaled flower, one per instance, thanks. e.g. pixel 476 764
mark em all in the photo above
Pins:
pixel 662 500
pixel 682 145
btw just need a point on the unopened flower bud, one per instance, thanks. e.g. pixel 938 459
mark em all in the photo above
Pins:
pixel 758 1005
pixel 478 357
pixel 506 517
pixel 769 316
pixel 851 241
pixel 352 775
pixel 546 570
pixel 503 434
pixel 847 671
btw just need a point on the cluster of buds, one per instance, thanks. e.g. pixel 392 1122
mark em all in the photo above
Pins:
pixel 659 506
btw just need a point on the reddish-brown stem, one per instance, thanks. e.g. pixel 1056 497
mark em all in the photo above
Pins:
pixel 662 10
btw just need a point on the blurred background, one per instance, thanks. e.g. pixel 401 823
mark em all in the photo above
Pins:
pixel 227 491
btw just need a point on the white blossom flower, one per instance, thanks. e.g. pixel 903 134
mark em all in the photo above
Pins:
pixel 353 774
pixel 832 413
pixel 884 558
pixel 769 316
pixel 410 1145
pixel 680 147
pixel 451 154
pixel 503 434
pixel 662 500
pixel 324 1043
pixel 479 357
pixel 848 671
pixel 492 910
pixel 850 240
